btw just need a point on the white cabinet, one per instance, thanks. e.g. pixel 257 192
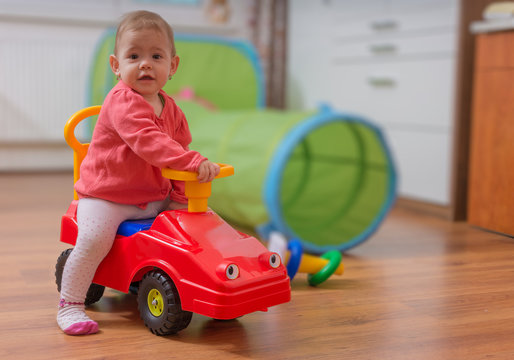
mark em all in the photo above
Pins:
pixel 391 61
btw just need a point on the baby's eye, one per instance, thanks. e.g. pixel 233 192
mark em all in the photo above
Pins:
pixel 157 56
pixel 133 56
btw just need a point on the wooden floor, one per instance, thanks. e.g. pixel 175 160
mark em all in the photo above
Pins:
pixel 421 288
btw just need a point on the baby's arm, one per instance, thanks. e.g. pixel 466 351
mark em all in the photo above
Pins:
pixel 133 123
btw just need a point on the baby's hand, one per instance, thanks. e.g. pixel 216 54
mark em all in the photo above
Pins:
pixel 207 171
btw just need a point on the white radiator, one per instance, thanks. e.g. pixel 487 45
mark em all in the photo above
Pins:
pixel 43 80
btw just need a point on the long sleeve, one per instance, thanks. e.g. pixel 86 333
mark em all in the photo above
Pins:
pixel 133 119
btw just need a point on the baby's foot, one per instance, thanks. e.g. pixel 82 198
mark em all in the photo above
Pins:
pixel 73 320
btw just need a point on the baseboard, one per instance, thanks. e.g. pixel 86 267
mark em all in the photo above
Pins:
pixel 18 157
pixel 424 207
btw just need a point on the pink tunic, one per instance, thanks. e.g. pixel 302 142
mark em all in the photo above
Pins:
pixel 131 145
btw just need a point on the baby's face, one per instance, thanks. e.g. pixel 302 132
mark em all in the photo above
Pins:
pixel 144 61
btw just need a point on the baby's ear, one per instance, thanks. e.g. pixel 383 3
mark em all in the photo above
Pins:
pixel 174 65
pixel 115 65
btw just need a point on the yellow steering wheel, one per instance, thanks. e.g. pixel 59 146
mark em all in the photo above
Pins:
pixel 197 193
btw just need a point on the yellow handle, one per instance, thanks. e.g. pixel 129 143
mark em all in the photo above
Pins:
pixel 79 149
pixel 197 193
pixel 311 264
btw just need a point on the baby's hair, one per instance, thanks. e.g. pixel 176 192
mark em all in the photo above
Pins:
pixel 142 19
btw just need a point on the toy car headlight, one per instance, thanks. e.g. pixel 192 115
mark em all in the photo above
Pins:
pixel 274 260
pixel 232 271
pixel 270 260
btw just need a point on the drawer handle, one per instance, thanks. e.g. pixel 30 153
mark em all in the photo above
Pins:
pixel 382 48
pixel 381 81
pixel 385 24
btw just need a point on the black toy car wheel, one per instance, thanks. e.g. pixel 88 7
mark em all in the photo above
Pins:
pixel 159 304
pixel 94 292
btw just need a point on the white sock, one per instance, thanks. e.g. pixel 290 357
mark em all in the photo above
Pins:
pixel 70 315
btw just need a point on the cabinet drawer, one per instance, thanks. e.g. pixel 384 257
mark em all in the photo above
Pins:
pixel 393 48
pixel 380 23
pixel 352 8
pixel 415 93
pixel 421 5
pixel 495 50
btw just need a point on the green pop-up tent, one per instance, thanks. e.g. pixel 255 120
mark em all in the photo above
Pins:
pixel 324 177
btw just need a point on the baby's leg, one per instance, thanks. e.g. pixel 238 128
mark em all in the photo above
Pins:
pixel 98 221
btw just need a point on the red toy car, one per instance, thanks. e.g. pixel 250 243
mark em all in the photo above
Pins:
pixel 183 261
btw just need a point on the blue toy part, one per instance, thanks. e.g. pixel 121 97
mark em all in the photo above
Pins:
pixel 295 257
pixel 130 227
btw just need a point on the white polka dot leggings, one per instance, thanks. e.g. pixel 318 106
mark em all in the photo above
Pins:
pixel 98 221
